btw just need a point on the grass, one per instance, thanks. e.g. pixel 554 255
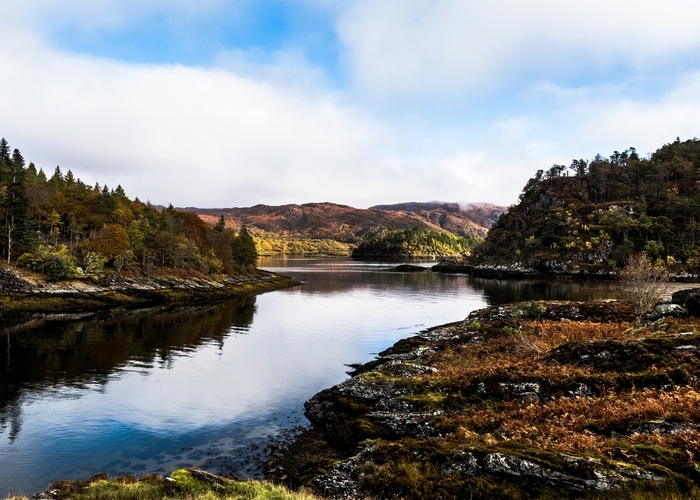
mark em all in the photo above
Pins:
pixel 183 484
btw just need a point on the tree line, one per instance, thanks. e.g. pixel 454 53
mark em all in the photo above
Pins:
pixel 599 212
pixel 64 228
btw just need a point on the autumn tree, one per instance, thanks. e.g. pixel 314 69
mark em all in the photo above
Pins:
pixel 111 241
pixel 644 284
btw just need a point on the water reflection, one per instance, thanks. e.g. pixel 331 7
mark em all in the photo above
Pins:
pixel 60 353
pixel 147 391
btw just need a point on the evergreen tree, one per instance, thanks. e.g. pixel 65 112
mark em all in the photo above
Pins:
pixel 57 180
pixel 221 225
pixel 17 230
pixel 70 180
pixel 31 176
pixel 245 254
pixel 119 192
pixel 4 158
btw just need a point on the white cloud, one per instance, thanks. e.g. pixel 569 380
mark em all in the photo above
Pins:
pixel 430 46
pixel 172 133
pixel 241 132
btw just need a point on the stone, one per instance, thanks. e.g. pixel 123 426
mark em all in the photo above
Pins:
pixel 666 310
pixel 689 299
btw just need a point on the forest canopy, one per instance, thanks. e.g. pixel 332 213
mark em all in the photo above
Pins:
pixel 415 242
pixel 64 228
pixel 594 214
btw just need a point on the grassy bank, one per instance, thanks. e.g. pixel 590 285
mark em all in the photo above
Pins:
pixel 189 484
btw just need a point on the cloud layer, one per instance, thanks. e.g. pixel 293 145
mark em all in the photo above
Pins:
pixel 443 100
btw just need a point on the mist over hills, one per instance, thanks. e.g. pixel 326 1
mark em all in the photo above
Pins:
pixel 348 224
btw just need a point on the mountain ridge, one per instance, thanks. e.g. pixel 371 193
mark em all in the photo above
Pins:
pixel 326 220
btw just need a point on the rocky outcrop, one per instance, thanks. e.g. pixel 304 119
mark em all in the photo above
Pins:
pixel 688 299
pixel 462 410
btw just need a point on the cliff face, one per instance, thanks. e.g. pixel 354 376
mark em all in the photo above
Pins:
pixel 516 401
pixel 344 223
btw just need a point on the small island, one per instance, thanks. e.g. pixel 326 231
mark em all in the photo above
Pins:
pixel 415 243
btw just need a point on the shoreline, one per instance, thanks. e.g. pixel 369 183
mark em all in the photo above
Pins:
pixel 518 272
pixel 459 406
pixel 23 293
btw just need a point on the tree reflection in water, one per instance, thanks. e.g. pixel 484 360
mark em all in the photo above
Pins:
pixel 59 352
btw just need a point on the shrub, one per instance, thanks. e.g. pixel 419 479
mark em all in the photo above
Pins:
pixel 531 309
pixel 94 264
pixel 644 284
pixel 58 269
pixel 512 331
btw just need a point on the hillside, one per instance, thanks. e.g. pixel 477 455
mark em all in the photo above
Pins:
pixel 344 225
pixel 589 217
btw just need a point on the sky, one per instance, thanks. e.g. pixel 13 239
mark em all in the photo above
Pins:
pixel 221 103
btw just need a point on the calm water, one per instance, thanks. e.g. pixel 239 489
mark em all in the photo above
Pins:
pixel 151 390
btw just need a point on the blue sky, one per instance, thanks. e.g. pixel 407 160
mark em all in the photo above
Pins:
pixel 233 103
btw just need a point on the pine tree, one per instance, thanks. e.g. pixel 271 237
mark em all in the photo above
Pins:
pixel 31 176
pixel 17 230
pixel 70 180
pixel 4 159
pixel 57 181
pixel 245 254
pixel 221 225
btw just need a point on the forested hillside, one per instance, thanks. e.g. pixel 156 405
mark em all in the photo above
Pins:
pixel 413 243
pixel 592 215
pixel 64 228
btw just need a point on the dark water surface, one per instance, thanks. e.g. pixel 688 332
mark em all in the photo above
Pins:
pixel 150 390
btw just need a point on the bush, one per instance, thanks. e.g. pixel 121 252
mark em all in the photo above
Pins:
pixel 531 309
pixel 58 269
pixel 644 284
pixel 94 264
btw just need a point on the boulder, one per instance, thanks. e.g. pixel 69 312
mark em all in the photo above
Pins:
pixel 667 310
pixel 689 299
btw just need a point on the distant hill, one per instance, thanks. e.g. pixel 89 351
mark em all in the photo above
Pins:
pixel 345 223
pixel 331 222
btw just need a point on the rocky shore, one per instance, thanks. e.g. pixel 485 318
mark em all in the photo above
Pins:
pixel 22 292
pixel 530 400
pixel 548 270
